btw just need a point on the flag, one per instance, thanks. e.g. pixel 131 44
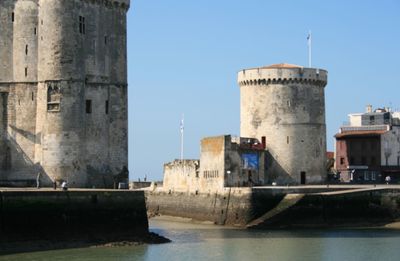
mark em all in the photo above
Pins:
pixel 309 38
pixel 181 126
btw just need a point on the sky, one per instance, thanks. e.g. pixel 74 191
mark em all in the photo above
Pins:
pixel 183 58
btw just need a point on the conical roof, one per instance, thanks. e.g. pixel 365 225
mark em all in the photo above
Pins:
pixel 282 66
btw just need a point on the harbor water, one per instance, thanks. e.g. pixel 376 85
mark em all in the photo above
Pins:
pixel 209 242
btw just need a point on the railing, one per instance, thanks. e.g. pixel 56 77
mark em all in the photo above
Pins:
pixel 364 128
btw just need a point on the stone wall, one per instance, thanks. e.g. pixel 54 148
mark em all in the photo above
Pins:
pixel 71 215
pixel 212 162
pixel 182 175
pixel 281 207
pixel 222 164
pixel 222 207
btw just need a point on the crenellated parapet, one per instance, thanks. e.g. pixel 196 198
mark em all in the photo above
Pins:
pixel 116 4
pixel 282 74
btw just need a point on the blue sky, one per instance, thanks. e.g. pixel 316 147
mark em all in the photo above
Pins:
pixel 183 57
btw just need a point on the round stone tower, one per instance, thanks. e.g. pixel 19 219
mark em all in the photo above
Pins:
pixel 61 93
pixel 81 133
pixel 284 105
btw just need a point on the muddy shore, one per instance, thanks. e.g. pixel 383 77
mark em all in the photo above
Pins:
pixel 44 244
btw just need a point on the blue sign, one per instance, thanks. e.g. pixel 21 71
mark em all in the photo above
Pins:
pixel 250 161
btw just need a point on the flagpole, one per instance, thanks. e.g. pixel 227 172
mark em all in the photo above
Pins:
pixel 182 128
pixel 309 48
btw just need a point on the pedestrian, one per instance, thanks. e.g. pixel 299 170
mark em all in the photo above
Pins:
pixel 64 185
pixel 388 179
pixel 38 180
pixel 54 184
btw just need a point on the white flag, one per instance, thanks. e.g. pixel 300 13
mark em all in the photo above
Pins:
pixel 181 126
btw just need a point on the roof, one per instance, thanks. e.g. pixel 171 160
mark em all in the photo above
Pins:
pixel 282 66
pixel 360 133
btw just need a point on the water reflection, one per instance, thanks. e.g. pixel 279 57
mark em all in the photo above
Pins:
pixel 209 242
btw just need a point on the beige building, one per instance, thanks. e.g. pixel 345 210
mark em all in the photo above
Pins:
pixel 63 91
pixel 225 161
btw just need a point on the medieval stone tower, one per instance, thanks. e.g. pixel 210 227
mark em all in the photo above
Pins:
pixel 63 91
pixel 284 105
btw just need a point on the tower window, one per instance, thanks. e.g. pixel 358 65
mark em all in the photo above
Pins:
pixel 53 97
pixel 12 17
pixel 82 26
pixel 34 30
pixel 88 106
pixel 26 71
pixel 106 106
pixel 341 161
pixel 26 49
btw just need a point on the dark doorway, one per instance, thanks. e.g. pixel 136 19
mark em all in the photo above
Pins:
pixel 303 177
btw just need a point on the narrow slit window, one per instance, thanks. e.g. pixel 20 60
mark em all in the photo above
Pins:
pixel 106 106
pixel 82 26
pixel 287 139
pixel 105 40
pixel 32 96
pixel 88 106
pixel 12 17
pixel 26 71
pixel 26 49
pixel 34 31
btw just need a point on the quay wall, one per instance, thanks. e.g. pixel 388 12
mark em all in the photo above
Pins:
pixel 279 208
pixel 363 208
pixel 87 214
pixel 229 206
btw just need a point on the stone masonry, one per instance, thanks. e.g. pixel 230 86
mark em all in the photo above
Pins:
pixel 285 105
pixel 63 91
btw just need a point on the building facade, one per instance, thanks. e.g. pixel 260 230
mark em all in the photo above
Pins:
pixel 63 91
pixel 225 161
pixel 368 147
pixel 285 105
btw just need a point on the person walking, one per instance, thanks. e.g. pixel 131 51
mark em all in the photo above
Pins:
pixel 38 180
pixel 64 185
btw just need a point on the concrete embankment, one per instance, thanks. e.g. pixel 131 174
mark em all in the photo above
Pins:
pixel 282 207
pixel 89 215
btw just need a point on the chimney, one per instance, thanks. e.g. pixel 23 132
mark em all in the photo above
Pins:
pixel 368 108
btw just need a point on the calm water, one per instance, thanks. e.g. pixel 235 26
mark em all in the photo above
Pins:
pixel 208 242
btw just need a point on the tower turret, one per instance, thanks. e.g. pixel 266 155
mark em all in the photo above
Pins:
pixel 285 104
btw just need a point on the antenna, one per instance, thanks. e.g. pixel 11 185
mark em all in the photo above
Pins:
pixel 309 48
